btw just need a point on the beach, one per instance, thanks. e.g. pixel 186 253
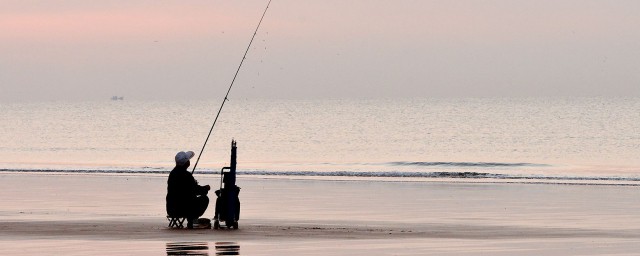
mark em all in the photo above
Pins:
pixel 107 214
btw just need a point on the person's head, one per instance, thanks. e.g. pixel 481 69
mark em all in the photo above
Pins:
pixel 182 158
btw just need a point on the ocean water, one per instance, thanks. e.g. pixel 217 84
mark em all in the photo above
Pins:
pixel 521 139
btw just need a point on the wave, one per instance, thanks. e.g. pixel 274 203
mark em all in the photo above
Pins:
pixel 459 175
pixel 476 175
pixel 349 174
pixel 465 164
pixel 91 171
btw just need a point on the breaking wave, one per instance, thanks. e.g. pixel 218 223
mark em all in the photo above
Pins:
pixel 465 164
pixel 453 175
pixel 350 174
pixel 469 175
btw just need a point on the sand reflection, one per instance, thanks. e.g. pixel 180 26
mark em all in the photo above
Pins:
pixel 188 248
pixel 202 248
pixel 227 248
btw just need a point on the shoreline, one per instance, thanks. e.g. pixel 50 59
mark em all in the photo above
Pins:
pixel 583 181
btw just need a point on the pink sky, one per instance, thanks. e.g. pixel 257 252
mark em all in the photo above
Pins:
pixel 467 20
pixel 465 43
pixel 104 24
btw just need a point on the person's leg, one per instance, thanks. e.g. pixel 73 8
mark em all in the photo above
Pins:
pixel 196 210
pixel 201 205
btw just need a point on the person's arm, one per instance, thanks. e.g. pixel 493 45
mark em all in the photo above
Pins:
pixel 202 190
pixel 199 190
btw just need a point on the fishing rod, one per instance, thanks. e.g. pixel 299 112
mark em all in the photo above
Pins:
pixel 229 90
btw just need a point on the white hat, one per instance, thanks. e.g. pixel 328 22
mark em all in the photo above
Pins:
pixel 183 157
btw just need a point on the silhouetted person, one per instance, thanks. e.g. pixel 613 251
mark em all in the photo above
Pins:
pixel 185 198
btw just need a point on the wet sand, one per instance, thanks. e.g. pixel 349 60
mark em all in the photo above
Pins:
pixel 121 215
pixel 254 230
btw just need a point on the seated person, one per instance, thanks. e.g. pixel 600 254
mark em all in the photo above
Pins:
pixel 185 198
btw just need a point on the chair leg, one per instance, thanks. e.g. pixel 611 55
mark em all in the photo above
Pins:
pixel 172 221
pixel 176 222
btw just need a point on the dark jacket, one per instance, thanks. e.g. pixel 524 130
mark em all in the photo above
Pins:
pixel 182 192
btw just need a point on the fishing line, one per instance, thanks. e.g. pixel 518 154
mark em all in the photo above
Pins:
pixel 229 90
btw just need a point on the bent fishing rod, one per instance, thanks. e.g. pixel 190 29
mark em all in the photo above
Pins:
pixel 229 90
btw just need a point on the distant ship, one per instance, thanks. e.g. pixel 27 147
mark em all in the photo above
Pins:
pixel 117 98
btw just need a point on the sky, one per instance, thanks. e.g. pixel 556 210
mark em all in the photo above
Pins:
pixel 60 50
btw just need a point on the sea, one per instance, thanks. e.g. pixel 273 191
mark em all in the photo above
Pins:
pixel 570 140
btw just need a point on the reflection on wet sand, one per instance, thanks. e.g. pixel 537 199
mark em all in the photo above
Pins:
pixel 227 248
pixel 202 248
pixel 188 248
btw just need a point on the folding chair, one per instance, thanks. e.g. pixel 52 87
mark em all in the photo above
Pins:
pixel 176 222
